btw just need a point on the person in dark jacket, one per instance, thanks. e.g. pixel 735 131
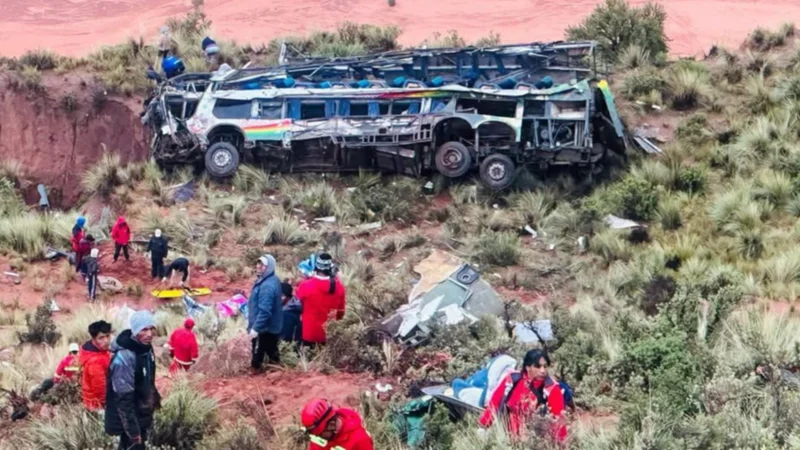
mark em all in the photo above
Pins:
pixel 292 330
pixel 91 267
pixel 84 250
pixel 265 314
pixel 179 265
pixel 131 394
pixel 158 248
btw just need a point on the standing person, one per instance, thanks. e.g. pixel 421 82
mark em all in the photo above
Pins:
pixel 65 371
pixel 121 234
pixel 183 347
pixel 292 329
pixel 332 428
pixel 95 359
pixel 158 248
pixel 179 265
pixel 84 250
pixel 131 394
pixel 522 395
pixel 322 297
pixel 164 43
pixel 91 267
pixel 78 233
pixel 264 314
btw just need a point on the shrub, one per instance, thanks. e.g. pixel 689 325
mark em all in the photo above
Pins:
pixel 11 204
pixel 231 208
pixel 286 230
pixel 185 417
pixel 105 175
pixel 774 187
pixel 498 248
pixel 69 103
pixel 761 99
pixel 70 428
pixel 40 59
pixel 252 181
pixel 642 82
pixel 694 129
pixel 632 197
pixel 240 437
pixel 691 179
pixel 688 88
pixel 616 26
pixel 634 57
pixel 41 327
pixel 32 78
pixel 658 291
pixel 387 201
pixel 669 213
pixel 610 245
pixel 318 199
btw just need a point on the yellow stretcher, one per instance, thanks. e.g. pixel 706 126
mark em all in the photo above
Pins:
pixel 178 293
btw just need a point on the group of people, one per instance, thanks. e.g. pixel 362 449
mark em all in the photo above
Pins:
pixel 276 311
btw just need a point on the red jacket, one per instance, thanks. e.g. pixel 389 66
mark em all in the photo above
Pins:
pixel 67 368
pixel 183 344
pixel 94 366
pixel 319 305
pixel 522 404
pixel 77 237
pixel 352 435
pixel 121 232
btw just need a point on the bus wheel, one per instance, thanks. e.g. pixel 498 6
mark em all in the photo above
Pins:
pixel 498 171
pixel 453 159
pixel 222 160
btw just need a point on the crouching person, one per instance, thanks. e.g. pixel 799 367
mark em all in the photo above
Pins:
pixel 131 394
pixel 332 428
pixel 522 395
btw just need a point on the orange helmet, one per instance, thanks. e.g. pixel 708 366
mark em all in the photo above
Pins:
pixel 316 414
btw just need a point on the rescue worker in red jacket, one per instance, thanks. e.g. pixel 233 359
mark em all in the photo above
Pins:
pixel 121 234
pixel 332 428
pixel 95 359
pixel 65 371
pixel 322 297
pixel 78 233
pixel 522 395
pixel 183 347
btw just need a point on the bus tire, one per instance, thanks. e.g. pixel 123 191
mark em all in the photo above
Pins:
pixel 453 159
pixel 222 160
pixel 498 171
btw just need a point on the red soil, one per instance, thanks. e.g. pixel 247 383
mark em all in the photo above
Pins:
pixel 77 27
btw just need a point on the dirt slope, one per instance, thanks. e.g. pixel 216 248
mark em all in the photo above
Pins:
pixel 76 27
pixel 56 145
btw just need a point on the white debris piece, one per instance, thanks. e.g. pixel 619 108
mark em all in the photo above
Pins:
pixel 329 219
pixel 618 223
pixel 54 307
pixel 526 335
pixel 530 230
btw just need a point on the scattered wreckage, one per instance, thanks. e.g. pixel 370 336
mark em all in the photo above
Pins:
pixel 409 112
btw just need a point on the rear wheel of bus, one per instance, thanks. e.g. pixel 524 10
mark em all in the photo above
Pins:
pixel 453 159
pixel 498 171
pixel 222 160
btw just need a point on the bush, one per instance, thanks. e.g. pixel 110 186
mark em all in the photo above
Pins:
pixel 230 209
pixel 41 327
pixel 610 245
pixel 40 59
pixel 70 428
pixel 287 230
pixel 388 202
pixel 694 129
pixel 498 249
pixel 669 213
pixel 642 82
pixel 688 88
pixel 241 437
pixel 32 78
pixel 632 197
pixel 691 179
pixel 185 417
pixel 105 175
pixel 615 25
pixel 11 204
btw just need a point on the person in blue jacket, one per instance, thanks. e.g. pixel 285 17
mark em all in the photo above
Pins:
pixel 265 314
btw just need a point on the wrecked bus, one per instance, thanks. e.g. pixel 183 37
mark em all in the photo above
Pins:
pixel 451 111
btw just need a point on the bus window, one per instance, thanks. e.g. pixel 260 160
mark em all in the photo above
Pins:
pixel 232 109
pixel 312 110
pixel 270 109
pixel 502 108
pixel 405 107
pixel 534 108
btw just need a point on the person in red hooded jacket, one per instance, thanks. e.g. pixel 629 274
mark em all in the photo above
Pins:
pixel 183 347
pixel 95 359
pixel 322 297
pixel 121 234
pixel 332 428
pixel 522 395
pixel 78 234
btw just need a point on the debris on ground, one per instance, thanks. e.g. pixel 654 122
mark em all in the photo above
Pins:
pixel 193 309
pixel 232 306
pixel 618 223
pixel 646 143
pixel 182 193
pixel 329 219
pixel 367 227
pixel 110 284
pixel 449 292
pixel 533 332
pixel 53 254
pixel 53 306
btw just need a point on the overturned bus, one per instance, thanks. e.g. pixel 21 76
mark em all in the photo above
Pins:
pixel 452 111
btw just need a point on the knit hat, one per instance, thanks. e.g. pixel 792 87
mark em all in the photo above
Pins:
pixel 324 262
pixel 141 320
pixel 81 221
pixel 189 323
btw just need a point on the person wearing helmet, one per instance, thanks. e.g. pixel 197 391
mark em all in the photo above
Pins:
pixel 332 428
pixel 67 368
pixel 158 247
pixel 182 347
pixel 91 267
pixel 525 394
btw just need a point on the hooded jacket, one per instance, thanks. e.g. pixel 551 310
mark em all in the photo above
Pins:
pixel 516 402
pixel 131 394
pixel 121 232
pixel 319 305
pixel 78 233
pixel 264 307
pixel 94 366
pixel 183 344
pixel 158 247
pixel 352 435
